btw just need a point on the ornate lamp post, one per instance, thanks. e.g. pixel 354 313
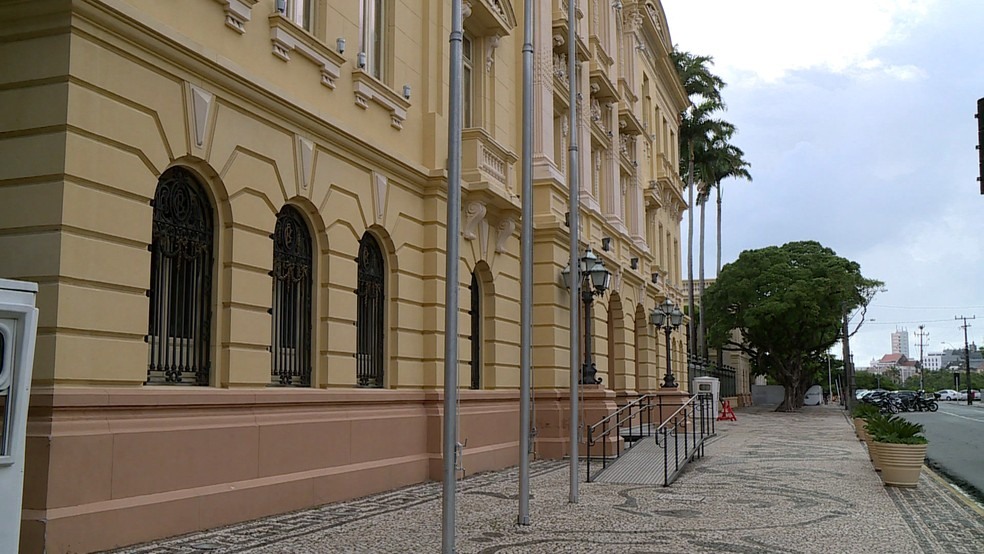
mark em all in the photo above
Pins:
pixel 595 280
pixel 667 317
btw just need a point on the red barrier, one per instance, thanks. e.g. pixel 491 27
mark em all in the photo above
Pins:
pixel 727 414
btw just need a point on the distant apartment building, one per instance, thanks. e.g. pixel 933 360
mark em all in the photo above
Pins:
pixel 900 342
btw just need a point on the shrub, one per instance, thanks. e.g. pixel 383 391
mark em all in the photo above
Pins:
pixel 895 430
pixel 864 411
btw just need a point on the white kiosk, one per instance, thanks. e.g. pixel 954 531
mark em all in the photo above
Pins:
pixel 18 329
pixel 712 385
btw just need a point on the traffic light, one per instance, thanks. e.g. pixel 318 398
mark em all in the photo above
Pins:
pixel 980 140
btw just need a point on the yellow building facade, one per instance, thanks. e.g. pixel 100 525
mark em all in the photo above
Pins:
pixel 236 214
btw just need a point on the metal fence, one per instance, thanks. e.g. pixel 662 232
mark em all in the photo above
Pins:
pixel 703 367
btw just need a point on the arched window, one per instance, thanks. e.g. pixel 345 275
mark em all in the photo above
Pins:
pixel 370 321
pixel 475 336
pixel 180 282
pixel 292 269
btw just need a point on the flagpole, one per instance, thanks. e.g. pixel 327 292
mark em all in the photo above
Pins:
pixel 450 444
pixel 575 201
pixel 526 271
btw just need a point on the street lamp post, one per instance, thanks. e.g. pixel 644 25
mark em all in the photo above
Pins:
pixel 595 280
pixel 667 317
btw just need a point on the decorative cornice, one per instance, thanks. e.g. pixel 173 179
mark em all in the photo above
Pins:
pixel 366 88
pixel 237 13
pixel 287 38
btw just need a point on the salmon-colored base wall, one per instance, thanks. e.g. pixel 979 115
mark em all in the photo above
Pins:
pixel 112 467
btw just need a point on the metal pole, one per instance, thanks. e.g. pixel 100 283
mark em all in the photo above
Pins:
pixel 575 207
pixel 588 300
pixel 450 445
pixel 526 272
pixel 970 391
pixel 668 378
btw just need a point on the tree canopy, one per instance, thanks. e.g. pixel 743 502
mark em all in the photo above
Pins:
pixel 787 302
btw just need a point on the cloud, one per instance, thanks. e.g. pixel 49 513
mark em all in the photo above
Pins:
pixel 778 37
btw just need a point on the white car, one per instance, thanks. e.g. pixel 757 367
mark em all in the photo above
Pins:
pixel 963 394
pixel 949 394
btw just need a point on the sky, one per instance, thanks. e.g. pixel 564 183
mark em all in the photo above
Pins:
pixel 857 117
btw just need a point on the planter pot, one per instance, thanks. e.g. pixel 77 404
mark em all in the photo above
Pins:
pixel 859 428
pixel 901 463
pixel 874 452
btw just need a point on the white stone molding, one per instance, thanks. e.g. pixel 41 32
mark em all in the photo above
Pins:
pixel 305 149
pixel 491 44
pixel 506 228
pixel 380 188
pixel 288 38
pixel 474 214
pixel 483 237
pixel 237 13
pixel 367 88
pixel 201 107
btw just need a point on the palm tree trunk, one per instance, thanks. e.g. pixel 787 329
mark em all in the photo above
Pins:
pixel 717 273
pixel 702 324
pixel 691 330
pixel 718 269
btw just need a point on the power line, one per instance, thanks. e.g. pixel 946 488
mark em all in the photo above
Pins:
pixel 925 307
pixel 877 322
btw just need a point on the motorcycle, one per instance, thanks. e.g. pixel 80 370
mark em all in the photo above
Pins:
pixel 885 402
pixel 926 402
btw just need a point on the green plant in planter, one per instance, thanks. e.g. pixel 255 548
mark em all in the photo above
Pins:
pixel 895 430
pixel 863 410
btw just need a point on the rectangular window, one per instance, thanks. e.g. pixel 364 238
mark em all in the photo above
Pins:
pixel 466 81
pixel 299 12
pixel 373 33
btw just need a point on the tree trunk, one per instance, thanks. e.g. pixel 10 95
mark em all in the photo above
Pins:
pixel 701 322
pixel 691 331
pixel 717 273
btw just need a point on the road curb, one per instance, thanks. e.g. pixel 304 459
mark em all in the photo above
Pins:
pixel 957 493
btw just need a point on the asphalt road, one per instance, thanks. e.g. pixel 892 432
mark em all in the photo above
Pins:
pixel 956 443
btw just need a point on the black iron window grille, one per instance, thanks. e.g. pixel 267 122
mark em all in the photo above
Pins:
pixel 476 332
pixel 292 276
pixel 4 404
pixel 180 282
pixel 370 314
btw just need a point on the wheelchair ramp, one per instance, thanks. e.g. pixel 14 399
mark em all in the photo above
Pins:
pixel 643 464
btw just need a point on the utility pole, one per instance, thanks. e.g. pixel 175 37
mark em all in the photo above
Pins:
pixel 970 391
pixel 980 140
pixel 922 370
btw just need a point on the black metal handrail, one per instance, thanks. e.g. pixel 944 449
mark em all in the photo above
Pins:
pixel 634 421
pixel 641 410
pixel 696 419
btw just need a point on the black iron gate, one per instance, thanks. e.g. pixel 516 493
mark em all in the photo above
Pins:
pixel 180 282
pixel 292 268
pixel 370 314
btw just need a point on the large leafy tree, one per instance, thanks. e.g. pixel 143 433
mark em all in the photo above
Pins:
pixel 787 302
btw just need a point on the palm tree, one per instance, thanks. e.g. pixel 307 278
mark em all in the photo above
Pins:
pixel 696 125
pixel 719 161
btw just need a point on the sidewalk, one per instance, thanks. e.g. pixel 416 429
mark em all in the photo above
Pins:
pixel 770 482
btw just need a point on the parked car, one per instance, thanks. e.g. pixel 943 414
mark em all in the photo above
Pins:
pixel 948 394
pixel 963 394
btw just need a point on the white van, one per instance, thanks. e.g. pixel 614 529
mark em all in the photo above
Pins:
pixel 814 396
